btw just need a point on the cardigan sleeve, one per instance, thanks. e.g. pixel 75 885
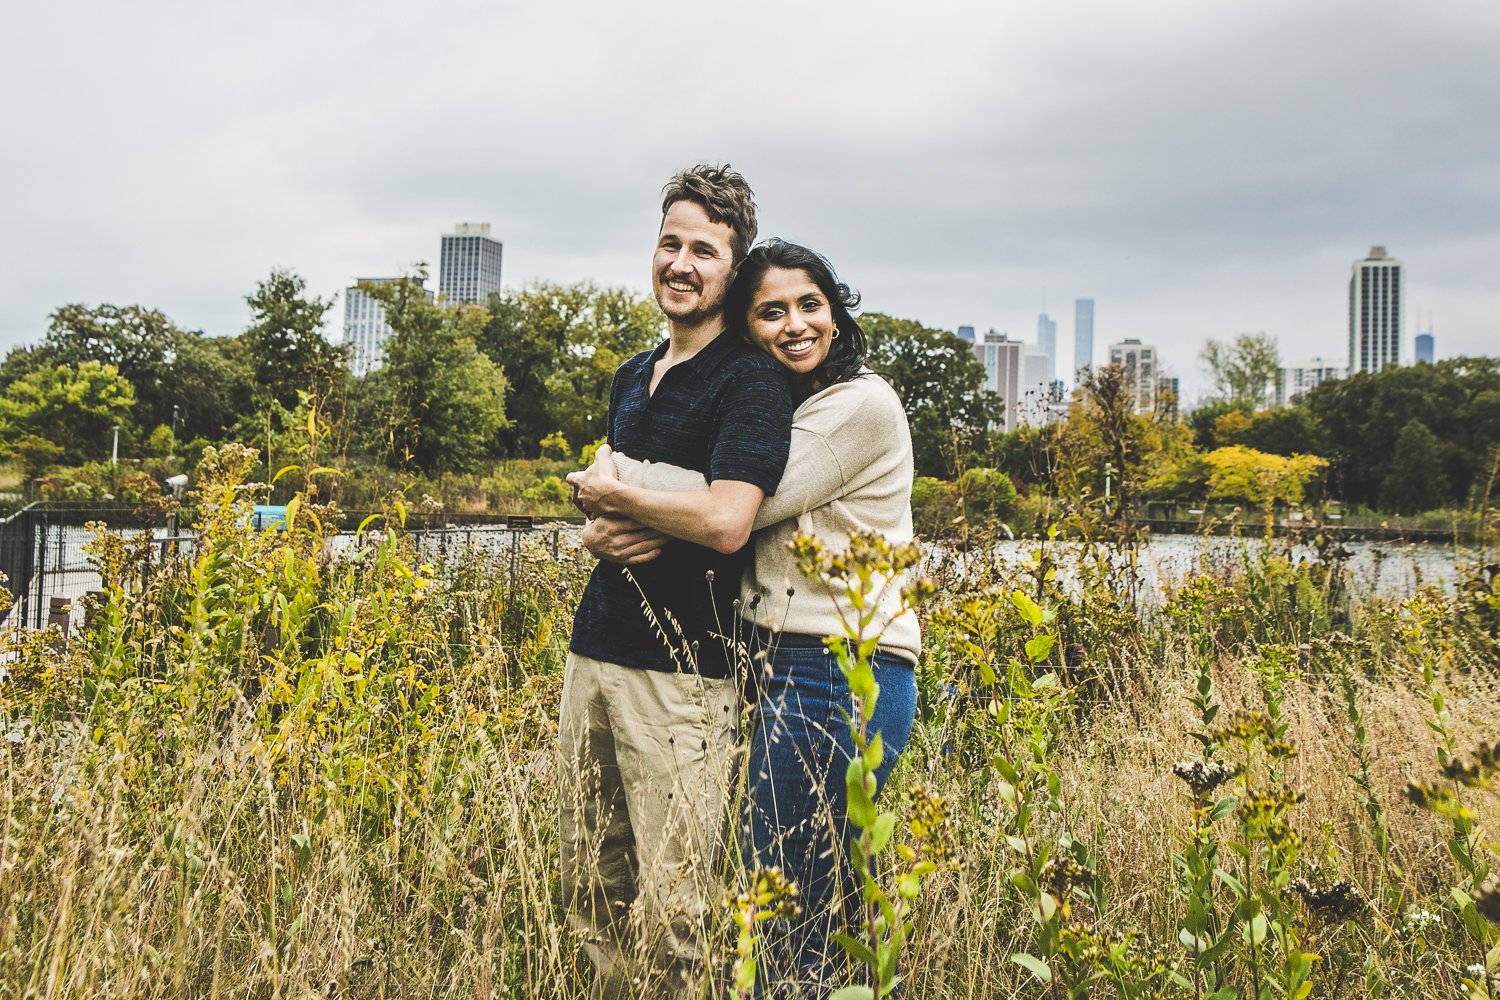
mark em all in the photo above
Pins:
pixel 833 436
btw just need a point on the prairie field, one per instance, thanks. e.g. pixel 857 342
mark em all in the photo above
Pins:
pixel 269 769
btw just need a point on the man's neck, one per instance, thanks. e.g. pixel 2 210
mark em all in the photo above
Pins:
pixel 684 341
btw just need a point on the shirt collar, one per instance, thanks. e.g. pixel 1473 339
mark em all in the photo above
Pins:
pixel 706 360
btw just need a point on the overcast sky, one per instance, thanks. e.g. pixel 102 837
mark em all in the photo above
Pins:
pixel 1198 168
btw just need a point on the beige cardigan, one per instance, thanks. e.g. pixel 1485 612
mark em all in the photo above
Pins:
pixel 850 469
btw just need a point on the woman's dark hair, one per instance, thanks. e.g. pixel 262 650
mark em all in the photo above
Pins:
pixel 846 356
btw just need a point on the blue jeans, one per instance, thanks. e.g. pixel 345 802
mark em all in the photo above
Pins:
pixel 800 746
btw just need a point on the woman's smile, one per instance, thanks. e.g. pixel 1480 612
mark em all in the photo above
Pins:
pixel 790 318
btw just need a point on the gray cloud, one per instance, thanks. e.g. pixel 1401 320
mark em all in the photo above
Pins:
pixel 1198 169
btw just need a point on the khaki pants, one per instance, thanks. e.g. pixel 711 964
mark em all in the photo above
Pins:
pixel 646 759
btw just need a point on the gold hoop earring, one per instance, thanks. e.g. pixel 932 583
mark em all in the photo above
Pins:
pixel 835 334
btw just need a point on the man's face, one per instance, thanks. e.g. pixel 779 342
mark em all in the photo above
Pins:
pixel 692 267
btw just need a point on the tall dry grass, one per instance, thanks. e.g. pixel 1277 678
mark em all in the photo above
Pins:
pixel 274 771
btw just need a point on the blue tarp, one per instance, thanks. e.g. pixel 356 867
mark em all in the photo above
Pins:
pixel 267 517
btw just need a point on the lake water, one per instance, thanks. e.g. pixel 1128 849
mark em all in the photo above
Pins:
pixel 1387 569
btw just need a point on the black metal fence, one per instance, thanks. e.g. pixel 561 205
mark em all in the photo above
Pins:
pixel 48 571
pixel 19 552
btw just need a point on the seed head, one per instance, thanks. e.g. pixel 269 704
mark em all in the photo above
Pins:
pixel 1336 902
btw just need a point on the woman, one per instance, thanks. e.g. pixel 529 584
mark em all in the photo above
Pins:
pixel 850 469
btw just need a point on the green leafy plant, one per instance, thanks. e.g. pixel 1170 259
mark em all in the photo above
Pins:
pixel 862 574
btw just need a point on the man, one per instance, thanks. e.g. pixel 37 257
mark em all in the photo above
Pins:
pixel 650 703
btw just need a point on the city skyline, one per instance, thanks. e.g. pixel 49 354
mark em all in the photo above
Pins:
pixel 954 177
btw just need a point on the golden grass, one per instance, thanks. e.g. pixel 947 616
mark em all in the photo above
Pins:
pixel 185 835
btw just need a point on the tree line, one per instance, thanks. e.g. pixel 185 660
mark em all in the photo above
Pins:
pixel 527 374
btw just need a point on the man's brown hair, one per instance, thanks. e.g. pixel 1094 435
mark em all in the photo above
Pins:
pixel 724 195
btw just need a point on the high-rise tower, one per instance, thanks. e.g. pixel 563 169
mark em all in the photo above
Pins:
pixel 1424 345
pixel 1140 363
pixel 1046 339
pixel 1001 358
pixel 1294 380
pixel 1083 337
pixel 1375 312
pixel 365 327
pixel 469 265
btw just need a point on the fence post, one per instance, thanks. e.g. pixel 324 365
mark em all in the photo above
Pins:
pixel 39 539
pixel 60 613
pixel 515 536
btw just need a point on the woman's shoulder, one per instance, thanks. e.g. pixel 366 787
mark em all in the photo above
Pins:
pixel 867 390
pixel 844 406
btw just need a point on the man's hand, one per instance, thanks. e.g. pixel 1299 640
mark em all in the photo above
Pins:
pixel 592 485
pixel 622 541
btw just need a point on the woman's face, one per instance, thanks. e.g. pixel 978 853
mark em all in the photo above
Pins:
pixel 791 318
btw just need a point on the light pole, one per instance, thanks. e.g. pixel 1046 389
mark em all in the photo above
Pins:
pixel 1109 470
pixel 114 455
pixel 174 431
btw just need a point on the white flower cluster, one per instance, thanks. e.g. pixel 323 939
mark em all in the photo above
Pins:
pixel 1415 923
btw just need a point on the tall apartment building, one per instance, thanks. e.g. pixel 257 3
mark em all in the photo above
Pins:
pixel 1083 336
pixel 1425 346
pixel 1140 363
pixel 365 328
pixel 1036 384
pixel 1001 358
pixel 1046 339
pixel 1375 312
pixel 1169 396
pixel 966 334
pixel 469 264
pixel 1294 380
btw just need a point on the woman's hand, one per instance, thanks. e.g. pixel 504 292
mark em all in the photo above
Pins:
pixel 593 486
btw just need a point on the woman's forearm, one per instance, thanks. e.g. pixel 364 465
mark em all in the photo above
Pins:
pixel 718 517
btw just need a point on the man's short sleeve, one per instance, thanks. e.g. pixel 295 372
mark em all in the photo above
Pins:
pixel 613 408
pixel 755 429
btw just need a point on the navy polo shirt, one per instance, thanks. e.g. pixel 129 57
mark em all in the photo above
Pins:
pixel 725 412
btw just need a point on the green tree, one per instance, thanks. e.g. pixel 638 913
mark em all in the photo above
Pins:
pixel 555 446
pixel 75 409
pixel 210 384
pixel 1185 480
pixel 936 508
pixel 1104 436
pixel 1256 477
pixel 1204 420
pixel 559 346
pixel 285 342
pixel 1244 370
pixel 1284 430
pixel 1029 454
pixel 167 367
pixel 1417 480
pixel 941 386
pixel 988 496
pixel 1457 399
pixel 437 403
